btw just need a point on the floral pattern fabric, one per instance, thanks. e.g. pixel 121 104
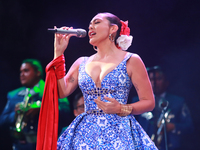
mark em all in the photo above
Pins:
pixel 101 131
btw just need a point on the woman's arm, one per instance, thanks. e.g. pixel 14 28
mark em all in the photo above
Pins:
pixel 69 83
pixel 137 71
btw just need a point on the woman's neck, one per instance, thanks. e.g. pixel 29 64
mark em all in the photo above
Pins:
pixel 104 50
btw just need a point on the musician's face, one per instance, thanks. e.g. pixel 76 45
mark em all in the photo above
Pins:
pixel 158 81
pixel 80 107
pixel 28 76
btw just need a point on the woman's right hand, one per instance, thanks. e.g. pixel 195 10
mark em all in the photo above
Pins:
pixel 61 42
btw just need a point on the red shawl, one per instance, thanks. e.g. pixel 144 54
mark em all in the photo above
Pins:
pixel 47 133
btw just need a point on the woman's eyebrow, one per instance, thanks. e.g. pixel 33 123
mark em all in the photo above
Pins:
pixel 95 20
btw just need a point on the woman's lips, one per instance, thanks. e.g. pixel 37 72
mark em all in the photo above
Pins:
pixel 91 34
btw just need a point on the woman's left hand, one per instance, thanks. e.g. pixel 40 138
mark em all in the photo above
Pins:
pixel 111 107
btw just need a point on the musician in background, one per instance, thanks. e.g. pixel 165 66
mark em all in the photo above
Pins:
pixel 21 112
pixel 178 119
pixel 78 105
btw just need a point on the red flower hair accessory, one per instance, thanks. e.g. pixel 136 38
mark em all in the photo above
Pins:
pixel 125 30
pixel 125 39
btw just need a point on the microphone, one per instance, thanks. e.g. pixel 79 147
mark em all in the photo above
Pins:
pixel 79 32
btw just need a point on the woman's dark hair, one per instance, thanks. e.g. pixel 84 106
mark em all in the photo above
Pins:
pixel 114 20
pixel 36 65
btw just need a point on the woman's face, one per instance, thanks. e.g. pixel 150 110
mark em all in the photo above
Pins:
pixel 98 30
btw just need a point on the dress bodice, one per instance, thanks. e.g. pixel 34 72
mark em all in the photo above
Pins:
pixel 116 84
pixel 91 130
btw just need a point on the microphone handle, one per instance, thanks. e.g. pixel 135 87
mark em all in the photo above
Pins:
pixel 61 31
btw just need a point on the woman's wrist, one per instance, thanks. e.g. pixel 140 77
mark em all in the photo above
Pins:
pixel 57 54
pixel 125 110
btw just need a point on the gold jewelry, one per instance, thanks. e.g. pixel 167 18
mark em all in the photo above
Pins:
pixel 125 110
pixel 111 38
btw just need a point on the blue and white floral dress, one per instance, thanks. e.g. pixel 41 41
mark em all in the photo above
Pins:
pixel 95 130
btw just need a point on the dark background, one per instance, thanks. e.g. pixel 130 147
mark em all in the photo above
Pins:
pixel 166 32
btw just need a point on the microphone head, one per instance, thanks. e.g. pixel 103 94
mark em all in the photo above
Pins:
pixel 81 33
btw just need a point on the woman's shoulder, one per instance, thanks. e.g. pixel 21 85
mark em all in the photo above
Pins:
pixel 82 59
pixel 135 58
pixel 135 63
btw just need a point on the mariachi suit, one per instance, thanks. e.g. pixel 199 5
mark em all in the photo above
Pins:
pixel 178 115
pixel 7 119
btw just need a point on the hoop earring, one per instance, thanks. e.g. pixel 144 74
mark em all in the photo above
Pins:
pixel 111 38
pixel 95 48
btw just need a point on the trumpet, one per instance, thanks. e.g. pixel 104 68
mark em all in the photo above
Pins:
pixel 20 124
pixel 160 126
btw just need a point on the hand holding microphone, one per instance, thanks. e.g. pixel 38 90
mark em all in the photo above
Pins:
pixel 61 40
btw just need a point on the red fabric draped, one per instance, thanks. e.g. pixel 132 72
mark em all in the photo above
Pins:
pixel 47 133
